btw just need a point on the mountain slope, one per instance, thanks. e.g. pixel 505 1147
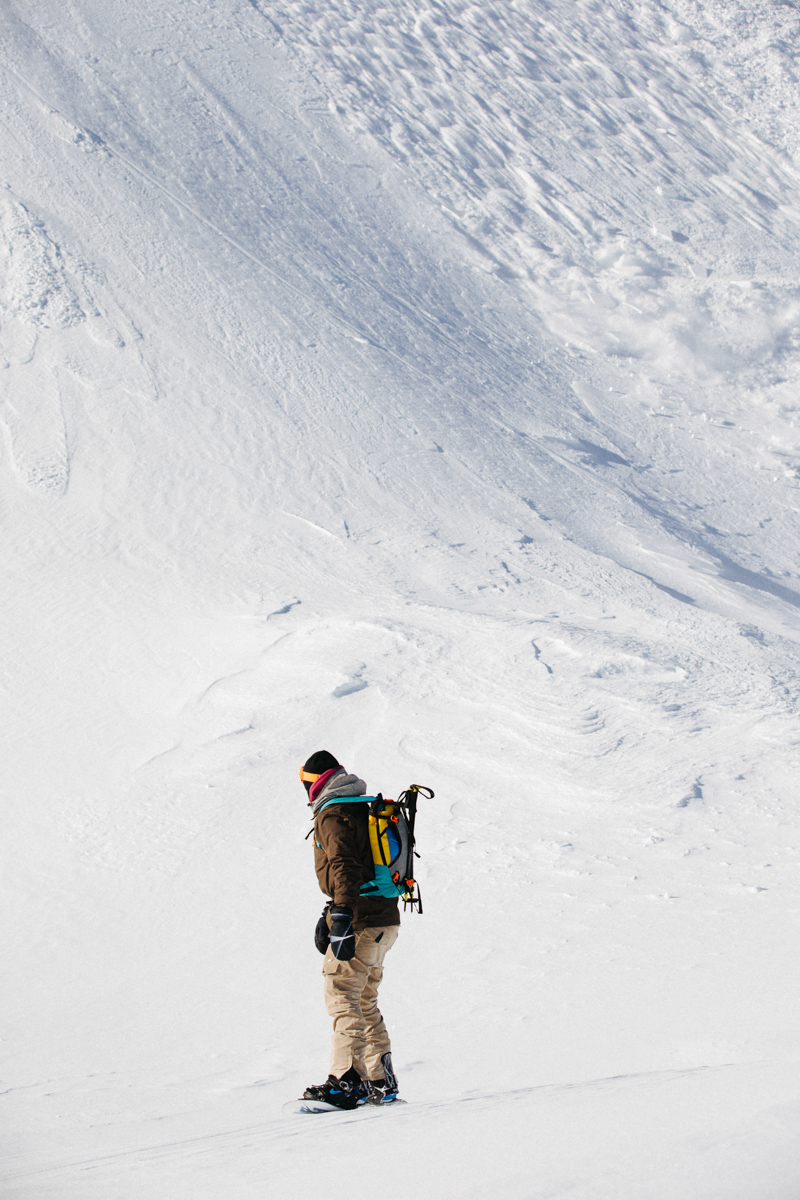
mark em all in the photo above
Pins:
pixel 420 383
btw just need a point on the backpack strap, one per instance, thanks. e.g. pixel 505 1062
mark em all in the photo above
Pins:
pixel 345 800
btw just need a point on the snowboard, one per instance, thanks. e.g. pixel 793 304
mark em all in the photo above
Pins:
pixel 296 1108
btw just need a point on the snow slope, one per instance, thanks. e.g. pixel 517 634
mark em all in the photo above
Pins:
pixel 421 382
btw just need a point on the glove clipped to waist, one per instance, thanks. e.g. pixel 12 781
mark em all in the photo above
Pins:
pixel 342 936
pixel 322 937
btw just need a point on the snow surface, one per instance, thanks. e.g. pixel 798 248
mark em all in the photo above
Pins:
pixel 418 381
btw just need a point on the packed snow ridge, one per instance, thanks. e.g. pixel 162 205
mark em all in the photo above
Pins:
pixel 421 382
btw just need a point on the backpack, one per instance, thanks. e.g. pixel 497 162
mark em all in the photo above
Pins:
pixel 391 837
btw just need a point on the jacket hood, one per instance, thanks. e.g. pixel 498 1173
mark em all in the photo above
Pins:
pixel 332 784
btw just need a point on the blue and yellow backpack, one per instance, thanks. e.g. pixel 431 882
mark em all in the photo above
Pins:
pixel 391 836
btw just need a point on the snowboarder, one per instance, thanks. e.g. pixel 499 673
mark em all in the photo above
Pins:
pixel 355 932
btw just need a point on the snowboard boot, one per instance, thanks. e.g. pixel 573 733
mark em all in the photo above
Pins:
pixel 383 1091
pixel 348 1092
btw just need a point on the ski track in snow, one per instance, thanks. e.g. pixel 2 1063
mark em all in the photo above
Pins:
pixel 419 381
pixel 270 1150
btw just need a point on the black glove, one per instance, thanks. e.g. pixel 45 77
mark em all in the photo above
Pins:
pixel 343 940
pixel 321 936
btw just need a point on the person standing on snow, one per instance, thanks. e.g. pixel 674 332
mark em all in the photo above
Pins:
pixel 355 933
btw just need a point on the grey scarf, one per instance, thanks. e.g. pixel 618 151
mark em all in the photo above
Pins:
pixel 340 784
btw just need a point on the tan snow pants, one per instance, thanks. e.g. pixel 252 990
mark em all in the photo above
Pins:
pixel 351 998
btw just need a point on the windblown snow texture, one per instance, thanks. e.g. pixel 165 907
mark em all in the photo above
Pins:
pixel 418 381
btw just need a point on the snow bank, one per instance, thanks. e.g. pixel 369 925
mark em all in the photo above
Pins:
pixel 418 382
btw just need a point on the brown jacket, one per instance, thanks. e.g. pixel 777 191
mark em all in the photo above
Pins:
pixel 343 861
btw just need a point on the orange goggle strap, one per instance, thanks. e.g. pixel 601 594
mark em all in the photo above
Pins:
pixel 307 776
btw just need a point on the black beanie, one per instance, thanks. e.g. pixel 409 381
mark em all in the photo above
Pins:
pixel 319 762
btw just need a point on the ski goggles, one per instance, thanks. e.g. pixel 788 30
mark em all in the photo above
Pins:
pixel 308 776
